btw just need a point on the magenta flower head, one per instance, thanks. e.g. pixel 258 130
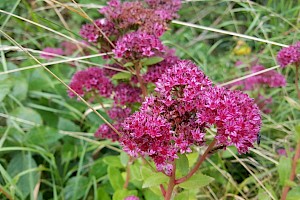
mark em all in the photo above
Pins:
pixel 138 45
pixel 289 55
pixel 185 105
pixel 91 80
pixel 49 53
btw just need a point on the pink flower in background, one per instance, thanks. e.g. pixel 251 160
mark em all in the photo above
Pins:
pixel 57 51
pixel 271 78
pixel 289 55
pixel 91 79
pixel 105 132
pixel 132 198
pixel 282 151
pixel 264 103
pixel 167 9
pixel 185 104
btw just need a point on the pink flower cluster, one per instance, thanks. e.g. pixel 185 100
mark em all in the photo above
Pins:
pixel 271 78
pixel 91 79
pixel 176 118
pixel 151 18
pixel 289 55
pixel 49 53
pixel 127 94
pixel 91 32
pixel 137 45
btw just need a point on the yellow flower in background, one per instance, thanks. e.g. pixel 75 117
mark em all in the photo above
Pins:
pixel 241 48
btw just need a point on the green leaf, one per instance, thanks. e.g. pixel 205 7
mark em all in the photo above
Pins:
pixel 121 75
pixel 128 64
pixel 115 178
pixel 182 196
pixel 146 172
pixel 19 163
pixel 136 172
pixel 150 195
pixel 151 60
pixel 20 89
pixel 294 194
pixel 182 164
pixel 155 180
pixel 30 117
pixel 124 158
pixel 113 161
pixel 297 131
pixel 196 181
pixel 102 194
pixel 123 193
pixel 76 187
pixel 5 86
pixel 284 169
pixel 43 136
pixel 98 169
pixel 67 125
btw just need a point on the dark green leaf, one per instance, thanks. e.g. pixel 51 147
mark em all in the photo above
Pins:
pixel 20 89
pixel 20 163
pixel 76 187
pixel 67 125
pixel 31 117
pixel 102 194
pixel 43 136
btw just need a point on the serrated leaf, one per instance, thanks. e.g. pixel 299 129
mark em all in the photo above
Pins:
pixel 115 178
pixel 292 102
pixel 123 193
pixel 294 194
pixel 20 163
pixel 121 75
pixel 155 180
pixel 196 181
pixel 113 161
pixel 151 60
pixel 284 169
pixel 182 164
pixel 76 187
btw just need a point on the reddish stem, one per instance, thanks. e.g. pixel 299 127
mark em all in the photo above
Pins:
pixel 286 189
pixel 171 184
pixel 197 165
pixel 140 79
pixel 128 173
pixel 296 81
